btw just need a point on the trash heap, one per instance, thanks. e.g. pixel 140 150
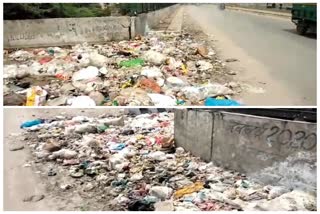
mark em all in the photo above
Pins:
pixel 132 163
pixel 162 69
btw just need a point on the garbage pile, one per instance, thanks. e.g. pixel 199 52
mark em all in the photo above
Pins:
pixel 132 163
pixel 161 69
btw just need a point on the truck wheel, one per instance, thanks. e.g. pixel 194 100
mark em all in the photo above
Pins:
pixel 302 29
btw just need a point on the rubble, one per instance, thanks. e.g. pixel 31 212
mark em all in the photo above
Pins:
pixel 132 163
pixel 117 73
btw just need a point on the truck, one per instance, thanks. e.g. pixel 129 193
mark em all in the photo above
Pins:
pixel 304 16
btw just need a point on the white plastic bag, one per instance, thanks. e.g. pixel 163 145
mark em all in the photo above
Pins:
pixel 162 100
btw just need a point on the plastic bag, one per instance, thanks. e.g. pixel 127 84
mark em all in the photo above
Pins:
pixel 220 102
pixel 162 100
pixel 154 57
pixel 132 63
pixel 36 96
pixel 153 72
pixel 86 74
pixel 82 101
pixel 45 60
pixel 150 85
pixel 31 123
pixel 189 189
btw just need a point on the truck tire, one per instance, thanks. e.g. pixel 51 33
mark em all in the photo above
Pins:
pixel 301 29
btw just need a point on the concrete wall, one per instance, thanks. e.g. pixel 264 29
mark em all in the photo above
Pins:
pixel 193 131
pixel 64 31
pixel 70 31
pixel 154 20
pixel 259 146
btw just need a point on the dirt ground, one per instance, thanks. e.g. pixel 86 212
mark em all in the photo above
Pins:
pixel 21 181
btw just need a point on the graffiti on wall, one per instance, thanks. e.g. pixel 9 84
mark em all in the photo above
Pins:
pixel 272 134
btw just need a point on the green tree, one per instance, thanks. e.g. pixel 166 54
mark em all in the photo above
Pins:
pixel 14 11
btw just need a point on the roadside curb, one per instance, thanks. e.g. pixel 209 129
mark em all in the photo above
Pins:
pixel 261 12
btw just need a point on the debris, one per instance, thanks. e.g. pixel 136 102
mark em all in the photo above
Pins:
pixel 161 192
pixel 31 123
pixel 33 198
pixel 36 96
pixel 159 156
pixel 203 65
pixel 86 74
pixel 136 177
pixel 211 101
pixel 232 60
pixel 45 60
pixel 179 151
pixel 52 172
pixel 162 100
pixel 14 99
pixel 150 85
pixel 16 148
pixel 154 57
pixel 175 82
pixel 64 154
pixel 132 162
pixel 51 146
pixel 117 73
pixel 141 206
pixel 202 50
pixel 153 72
pixel 85 128
pixel 188 189
pixel 82 101
pixel 77 173
pixel 97 97
pixel 60 101
pixel 164 206
pixel 276 191
pixel 65 186
pixel 232 72
pixel 131 63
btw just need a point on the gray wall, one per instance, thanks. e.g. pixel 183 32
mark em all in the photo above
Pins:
pixel 70 31
pixel 261 147
pixel 154 20
pixel 64 31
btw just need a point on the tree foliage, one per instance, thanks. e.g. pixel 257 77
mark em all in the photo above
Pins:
pixel 14 11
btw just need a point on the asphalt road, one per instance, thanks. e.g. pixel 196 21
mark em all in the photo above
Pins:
pixel 288 58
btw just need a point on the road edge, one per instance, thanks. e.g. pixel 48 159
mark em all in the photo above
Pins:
pixel 261 12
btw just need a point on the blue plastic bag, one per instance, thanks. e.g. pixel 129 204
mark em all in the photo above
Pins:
pixel 220 102
pixel 118 147
pixel 31 123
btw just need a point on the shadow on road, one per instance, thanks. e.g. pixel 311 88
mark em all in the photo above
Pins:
pixel 307 35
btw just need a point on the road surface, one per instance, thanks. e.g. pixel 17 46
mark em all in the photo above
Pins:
pixel 269 50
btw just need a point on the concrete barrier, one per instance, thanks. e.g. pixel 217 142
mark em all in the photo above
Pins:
pixel 155 19
pixel 71 31
pixel 65 31
pixel 272 151
pixel 193 131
